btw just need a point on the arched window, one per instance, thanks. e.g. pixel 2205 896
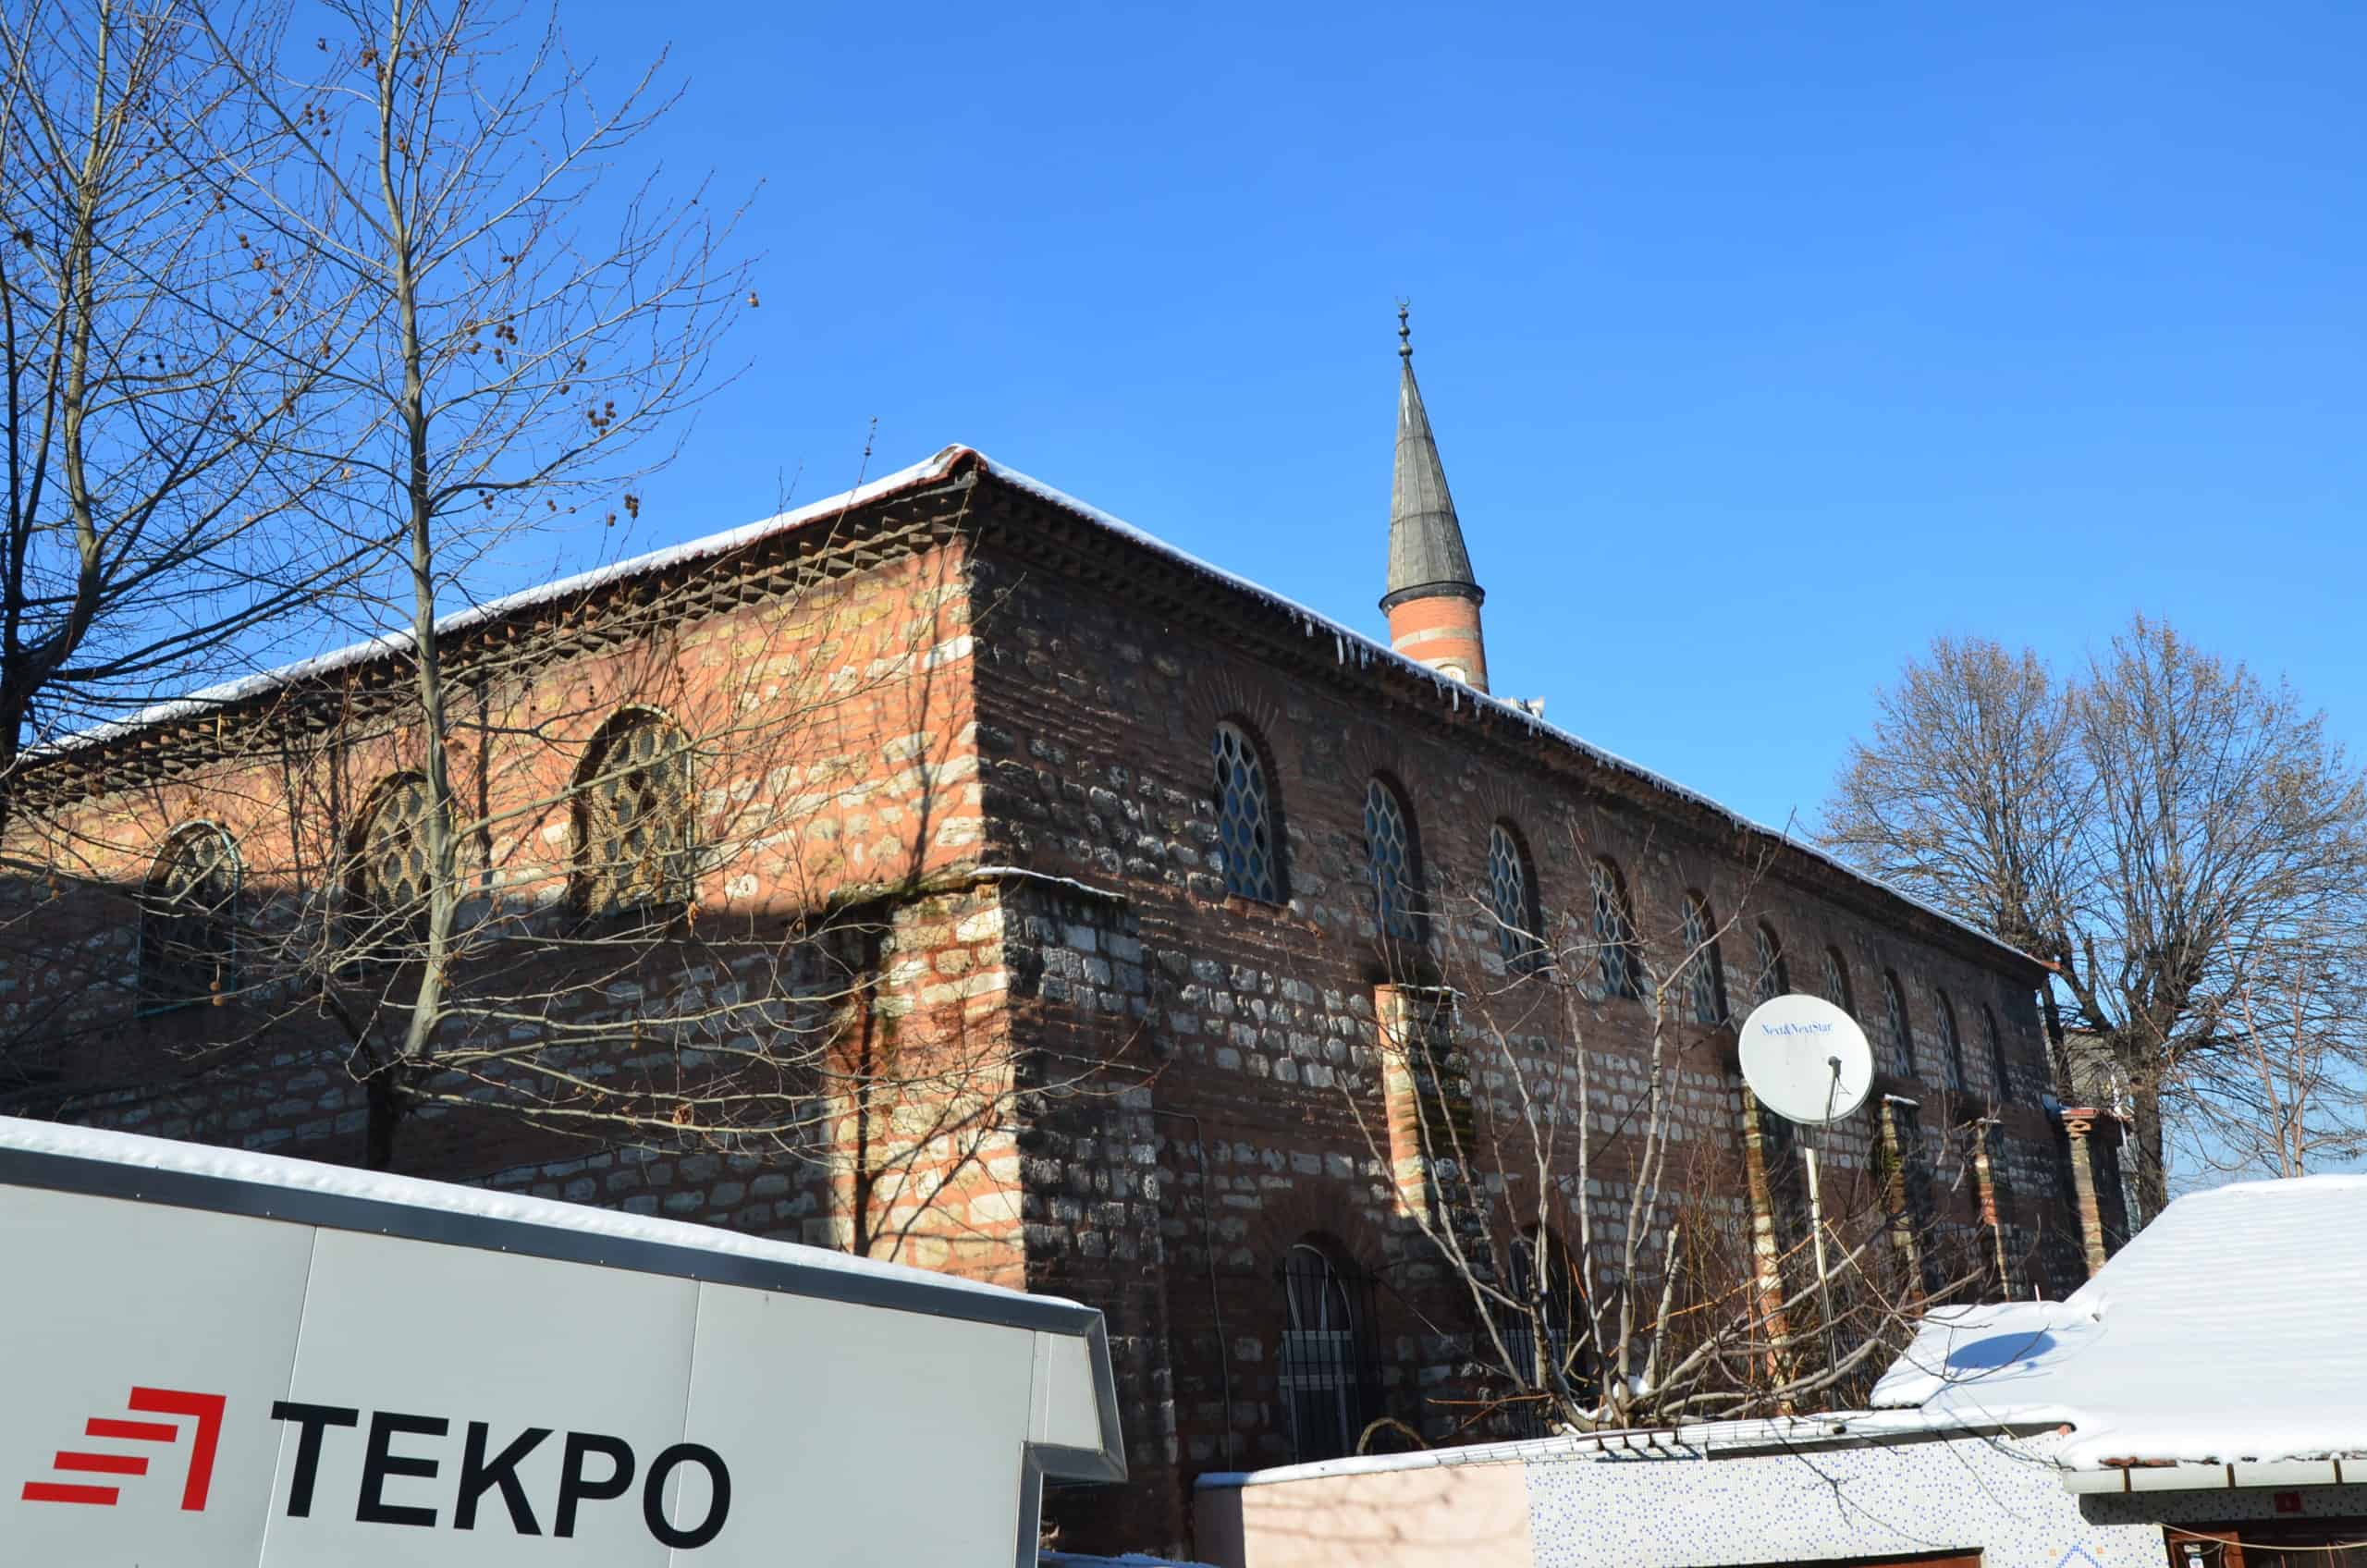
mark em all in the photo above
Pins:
pixel 1247 844
pixel 1774 977
pixel 390 873
pixel 1393 862
pixel 1836 982
pixel 637 817
pixel 1614 933
pixel 1512 897
pixel 1327 1363
pixel 1705 971
pixel 1951 1045
pixel 1994 1046
pixel 1895 1023
pixel 188 919
pixel 1543 1280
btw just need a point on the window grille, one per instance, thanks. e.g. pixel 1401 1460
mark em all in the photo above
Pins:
pixel 1330 1381
pixel 1894 1020
pixel 1774 977
pixel 1995 1047
pixel 1614 933
pixel 392 870
pixel 1510 896
pixel 1389 841
pixel 188 919
pixel 1951 1047
pixel 1246 836
pixel 636 818
pixel 1705 978
pixel 1542 1281
pixel 1836 982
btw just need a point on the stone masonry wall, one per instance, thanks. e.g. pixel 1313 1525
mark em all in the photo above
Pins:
pixel 992 777
pixel 836 781
pixel 1252 1024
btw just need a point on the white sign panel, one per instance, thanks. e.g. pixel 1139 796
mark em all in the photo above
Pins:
pixel 191 1389
pixel 127 1327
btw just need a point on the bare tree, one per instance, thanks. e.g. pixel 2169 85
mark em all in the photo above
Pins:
pixel 515 352
pixel 718 896
pixel 160 417
pixel 2165 828
pixel 617 860
pixel 2283 1098
pixel 1620 1267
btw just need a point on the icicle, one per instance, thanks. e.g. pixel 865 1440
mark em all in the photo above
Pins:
pixel 1338 649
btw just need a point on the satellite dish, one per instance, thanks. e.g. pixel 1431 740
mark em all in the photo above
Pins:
pixel 1805 1060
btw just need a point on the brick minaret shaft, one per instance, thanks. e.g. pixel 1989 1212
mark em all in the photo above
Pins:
pixel 1433 601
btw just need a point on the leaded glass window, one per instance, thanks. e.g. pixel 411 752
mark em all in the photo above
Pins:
pixel 1951 1047
pixel 1901 1032
pixel 1614 933
pixel 1995 1048
pixel 392 858
pixel 1772 978
pixel 1836 982
pixel 1389 843
pixel 636 818
pixel 189 919
pixel 1705 979
pixel 1510 898
pixel 1245 837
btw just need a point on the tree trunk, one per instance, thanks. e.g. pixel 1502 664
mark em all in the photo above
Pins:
pixel 386 1115
pixel 2152 1173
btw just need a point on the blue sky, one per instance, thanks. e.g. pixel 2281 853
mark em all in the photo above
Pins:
pixel 1762 343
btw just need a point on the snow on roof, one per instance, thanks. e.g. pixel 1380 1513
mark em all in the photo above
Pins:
pixel 1348 645
pixel 211 697
pixel 2226 1331
pixel 1705 1440
pixel 337 1181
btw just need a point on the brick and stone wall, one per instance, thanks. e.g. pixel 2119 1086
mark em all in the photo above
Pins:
pixel 957 802
pixel 837 801
pixel 1254 1025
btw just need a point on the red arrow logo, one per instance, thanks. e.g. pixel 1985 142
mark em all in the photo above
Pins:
pixel 205 1410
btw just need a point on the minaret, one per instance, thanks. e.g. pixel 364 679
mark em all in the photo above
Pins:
pixel 1433 601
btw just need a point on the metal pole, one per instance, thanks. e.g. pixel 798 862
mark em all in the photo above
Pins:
pixel 1816 1230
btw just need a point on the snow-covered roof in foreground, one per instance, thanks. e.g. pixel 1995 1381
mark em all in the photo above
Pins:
pixel 2227 1331
pixel 1348 645
pixel 1704 1439
pixel 139 1152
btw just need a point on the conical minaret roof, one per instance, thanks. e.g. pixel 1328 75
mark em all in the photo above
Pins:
pixel 1426 558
